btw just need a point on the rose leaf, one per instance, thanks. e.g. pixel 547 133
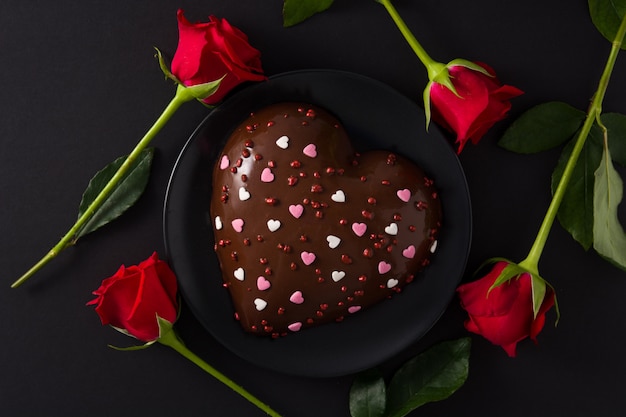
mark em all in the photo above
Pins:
pixel 616 126
pixel 433 375
pixel 542 127
pixel 609 239
pixel 297 11
pixel 607 16
pixel 368 395
pixel 576 211
pixel 124 195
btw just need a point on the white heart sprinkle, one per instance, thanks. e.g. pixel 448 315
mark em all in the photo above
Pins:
pixel 283 142
pixel 260 304
pixel 392 282
pixel 218 223
pixel 243 194
pixel 240 274
pixel 392 229
pixel 433 247
pixel 333 241
pixel 338 197
pixel 273 225
pixel 337 275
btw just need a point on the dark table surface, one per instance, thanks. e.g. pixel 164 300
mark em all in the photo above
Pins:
pixel 79 87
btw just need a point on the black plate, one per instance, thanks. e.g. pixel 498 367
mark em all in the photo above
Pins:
pixel 375 116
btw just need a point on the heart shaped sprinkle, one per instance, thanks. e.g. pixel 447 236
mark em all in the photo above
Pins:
pixel 353 309
pixel 333 241
pixel 294 327
pixel 392 229
pixel 296 210
pixel 392 282
pixel 224 162
pixel 409 252
pixel 383 267
pixel 310 150
pixel 267 175
pixel 404 195
pixel 283 142
pixel 262 283
pixel 260 304
pixel 337 275
pixel 297 297
pixel 244 194
pixel 359 229
pixel 338 197
pixel 239 273
pixel 323 230
pixel 307 257
pixel 273 225
pixel 237 225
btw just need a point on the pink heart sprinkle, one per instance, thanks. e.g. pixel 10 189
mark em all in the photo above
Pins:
pixel 294 327
pixel 237 225
pixel 353 309
pixel 404 195
pixel 409 252
pixel 296 210
pixel 384 267
pixel 307 257
pixel 267 175
pixel 262 284
pixel 224 162
pixel 359 228
pixel 310 150
pixel 297 297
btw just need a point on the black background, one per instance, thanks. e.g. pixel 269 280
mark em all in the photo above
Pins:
pixel 79 86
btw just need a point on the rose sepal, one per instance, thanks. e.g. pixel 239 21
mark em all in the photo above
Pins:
pixel 515 270
pixel 197 91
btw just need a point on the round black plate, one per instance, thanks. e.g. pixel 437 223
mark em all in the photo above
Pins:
pixel 375 116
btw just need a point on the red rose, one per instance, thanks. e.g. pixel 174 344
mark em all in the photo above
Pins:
pixel 207 51
pixel 481 102
pixel 504 315
pixel 132 299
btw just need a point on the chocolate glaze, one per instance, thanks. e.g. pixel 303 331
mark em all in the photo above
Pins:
pixel 285 276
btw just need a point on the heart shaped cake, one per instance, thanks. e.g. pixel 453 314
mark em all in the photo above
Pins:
pixel 309 231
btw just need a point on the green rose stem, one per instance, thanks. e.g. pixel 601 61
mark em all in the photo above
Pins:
pixel 531 262
pixel 433 67
pixel 182 95
pixel 171 339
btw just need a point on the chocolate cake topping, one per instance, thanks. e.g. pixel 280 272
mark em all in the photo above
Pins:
pixel 309 231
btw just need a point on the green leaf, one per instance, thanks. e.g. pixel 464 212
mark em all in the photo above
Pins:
pixel 125 194
pixel 431 376
pixel 576 211
pixel 297 11
pixel 607 16
pixel 616 126
pixel 609 239
pixel 368 395
pixel 542 127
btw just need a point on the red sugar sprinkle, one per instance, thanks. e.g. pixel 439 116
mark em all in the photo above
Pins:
pixel 249 144
pixel 371 200
pixel 244 177
pixel 271 164
pixel 295 164
pixel 291 181
pixel 346 259
pixel 245 153
pixel 385 182
pixel 258 157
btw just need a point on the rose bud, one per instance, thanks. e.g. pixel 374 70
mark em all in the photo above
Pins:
pixel 207 51
pixel 504 314
pixel 474 102
pixel 131 300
